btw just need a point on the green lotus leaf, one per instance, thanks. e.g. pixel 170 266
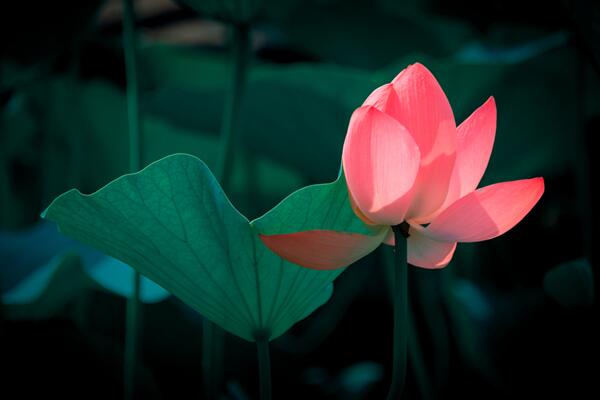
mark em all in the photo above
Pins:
pixel 316 207
pixel 174 224
pixel 316 227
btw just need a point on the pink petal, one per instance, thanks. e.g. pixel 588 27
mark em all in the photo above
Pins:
pixel 487 212
pixel 417 101
pixel 425 111
pixel 475 141
pixel 426 252
pixel 430 188
pixel 474 147
pixel 322 249
pixel 385 99
pixel 358 211
pixel 381 161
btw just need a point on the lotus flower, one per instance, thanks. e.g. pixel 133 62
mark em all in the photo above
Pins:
pixel 406 161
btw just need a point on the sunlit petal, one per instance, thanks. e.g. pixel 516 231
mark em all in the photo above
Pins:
pixel 424 110
pixel 487 212
pixel 381 161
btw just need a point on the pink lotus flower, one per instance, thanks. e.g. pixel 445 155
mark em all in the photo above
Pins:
pixel 405 161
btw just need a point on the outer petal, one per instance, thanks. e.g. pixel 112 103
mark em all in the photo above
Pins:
pixel 358 212
pixel 424 110
pixel 487 212
pixel 381 161
pixel 424 251
pixel 322 249
pixel 475 141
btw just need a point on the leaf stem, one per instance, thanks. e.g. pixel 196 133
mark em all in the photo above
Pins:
pixel 213 336
pixel 400 296
pixel 133 317
pixel 264 367
pixel 212 359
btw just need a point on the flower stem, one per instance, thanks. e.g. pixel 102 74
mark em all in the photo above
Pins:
pixel 416 359
pixel 213 336
pixel 400 312
pixel 264 367
pixel 132 326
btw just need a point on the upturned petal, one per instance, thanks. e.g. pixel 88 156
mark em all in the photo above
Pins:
pixel 487 212
pixel 381 161
pixel 322 249
pixel 475 141
pixel 473 149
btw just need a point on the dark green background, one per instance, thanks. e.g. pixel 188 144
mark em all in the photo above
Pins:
pixel 508 318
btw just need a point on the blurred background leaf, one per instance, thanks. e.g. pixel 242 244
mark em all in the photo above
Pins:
pixel 26 274
pixel 571 284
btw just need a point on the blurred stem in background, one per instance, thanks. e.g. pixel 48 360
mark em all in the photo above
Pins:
pixel 213 336
pixel 240 42
pixel 323 323
pixel 4 179
pixel 579 156
pixel 400 296
pixel 133 317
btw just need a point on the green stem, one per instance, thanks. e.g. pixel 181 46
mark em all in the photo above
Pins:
pixel 133 316
pixel 400 313
pixel 212 343
pixel 212 359
pixel 431 308
pixel 264 367
pixel 416 359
